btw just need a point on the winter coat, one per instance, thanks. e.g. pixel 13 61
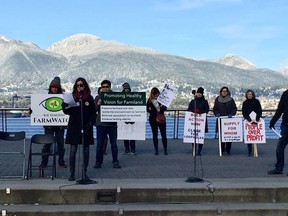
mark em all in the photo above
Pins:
pixel 73 135
pixel 202 106
pixel 249 106
pixel 282 108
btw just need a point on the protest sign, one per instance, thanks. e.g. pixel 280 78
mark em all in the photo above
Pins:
pixel 47 110
pixel 231 129
pixel 131 130
pixel 254 133
pixel 167 94
pixel 194 124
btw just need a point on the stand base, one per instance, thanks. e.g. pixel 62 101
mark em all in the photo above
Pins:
pixel 193 179
pixel 86 181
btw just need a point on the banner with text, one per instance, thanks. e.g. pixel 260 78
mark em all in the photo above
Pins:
pixel 231 129
pixel 47 110
pixel 167 94
pixel 254 133
pixel 194 124
pixel 123 106
pixel 131 130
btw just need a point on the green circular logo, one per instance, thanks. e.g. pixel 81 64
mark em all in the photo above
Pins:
pixel 53 104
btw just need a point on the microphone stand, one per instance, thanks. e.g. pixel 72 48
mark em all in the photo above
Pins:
pixel 84 180
pixel 194 179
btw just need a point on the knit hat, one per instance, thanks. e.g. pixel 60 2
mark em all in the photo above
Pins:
pixel 56 82
pixel 200 90
pixel 126 86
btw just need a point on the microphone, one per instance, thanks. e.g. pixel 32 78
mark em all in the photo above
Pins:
pixel 194 92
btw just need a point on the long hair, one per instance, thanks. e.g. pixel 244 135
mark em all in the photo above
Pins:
pixel 154 91
pixel 86 89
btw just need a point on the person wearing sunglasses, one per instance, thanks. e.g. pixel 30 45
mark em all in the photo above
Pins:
pixel 83 98
pixel 103 130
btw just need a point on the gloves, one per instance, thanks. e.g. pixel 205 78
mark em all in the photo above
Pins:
pixel 218 115
pixel 272 125
pixel 64 105
pixel 229 116
pixel 197 111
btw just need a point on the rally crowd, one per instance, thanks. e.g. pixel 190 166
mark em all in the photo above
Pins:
pixel 86 114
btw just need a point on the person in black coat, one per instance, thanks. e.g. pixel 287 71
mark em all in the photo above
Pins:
pixel 82 95
pixel 224 105
pixel 152 107
pixel 202 106
pixel 249 105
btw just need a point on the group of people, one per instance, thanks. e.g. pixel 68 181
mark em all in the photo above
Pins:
pixel 80 126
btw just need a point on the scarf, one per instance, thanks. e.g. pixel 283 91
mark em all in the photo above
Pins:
pixel 85 96
pixel 224 99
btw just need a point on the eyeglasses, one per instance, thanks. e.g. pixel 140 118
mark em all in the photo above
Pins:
pixel 80 85
pixel 104 86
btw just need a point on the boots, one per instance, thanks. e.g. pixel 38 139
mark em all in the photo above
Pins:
pixel 165 151
pixel 156 152
pixel 72 176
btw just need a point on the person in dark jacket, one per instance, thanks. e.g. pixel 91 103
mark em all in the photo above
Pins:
pixel 283 141
pixel 224 105
pixel 152 107
pixel 56 131
pixel 249 105
pixel 130 145
pixel 83 98
pixel 201 107
pixel 103 130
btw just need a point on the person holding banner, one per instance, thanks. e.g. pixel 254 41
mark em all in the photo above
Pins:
pixel 199 105
pixel 103 130
pixel 224 105
pixel 56 131
pixel 249 105
pixel 130 145
pixel 153 107
pixel 81 94
pixel 283 140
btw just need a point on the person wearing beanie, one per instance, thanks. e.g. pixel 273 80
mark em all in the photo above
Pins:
pixel 199 105
pixel 56 131
pixel 130 145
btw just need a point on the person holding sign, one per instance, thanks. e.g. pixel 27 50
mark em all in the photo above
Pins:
pixel 224 105
pixel 153 107
pixel 57 131
pixel 130 145
pixel 249 105
pixel 199 105
pixel 82 98
pixel 283 140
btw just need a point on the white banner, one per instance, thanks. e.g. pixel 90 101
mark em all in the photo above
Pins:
pixel 47 110
pixel 167 94
pixel 194 122
pixel 254 133
pixel 231 129
pixel 128 131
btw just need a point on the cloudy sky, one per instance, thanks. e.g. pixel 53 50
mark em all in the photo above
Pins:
pixel 202 29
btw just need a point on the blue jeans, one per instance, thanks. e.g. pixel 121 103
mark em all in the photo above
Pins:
pixel 102 132
pixel 281 145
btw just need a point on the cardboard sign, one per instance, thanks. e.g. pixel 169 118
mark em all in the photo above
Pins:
pixel 167 94
pixel 47 110
pixel 194 124
pixel 254 133
pixel 231 129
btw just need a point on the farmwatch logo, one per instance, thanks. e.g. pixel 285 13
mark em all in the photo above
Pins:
pixel 52 104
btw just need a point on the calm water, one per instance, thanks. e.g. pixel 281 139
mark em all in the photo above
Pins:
pixel 174 130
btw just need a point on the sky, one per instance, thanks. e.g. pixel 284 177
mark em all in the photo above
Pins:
pixel 257 30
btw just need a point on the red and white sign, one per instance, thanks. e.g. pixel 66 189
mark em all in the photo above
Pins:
pixel 254 133
pixel 194 124
pixel 231 129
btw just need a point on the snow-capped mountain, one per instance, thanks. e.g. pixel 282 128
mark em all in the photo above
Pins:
pixel 236 61
pixel 26 67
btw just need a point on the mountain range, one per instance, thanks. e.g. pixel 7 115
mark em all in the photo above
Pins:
pixel 26 68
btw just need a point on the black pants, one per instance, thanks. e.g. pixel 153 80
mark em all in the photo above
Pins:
pixel 162 128
pixel 72 159
pixel 130 145
pixel 226 147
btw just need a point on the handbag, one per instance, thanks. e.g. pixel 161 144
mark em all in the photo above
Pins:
pixel 160 118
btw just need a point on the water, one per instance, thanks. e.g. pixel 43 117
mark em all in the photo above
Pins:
pixel 174 128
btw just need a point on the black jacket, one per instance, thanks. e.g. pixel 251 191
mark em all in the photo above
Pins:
pixel 249 106
pixel 282 108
